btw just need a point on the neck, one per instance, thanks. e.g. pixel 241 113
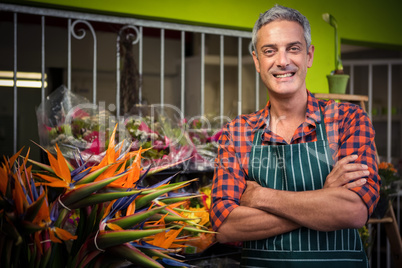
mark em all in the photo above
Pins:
pixel 293 107
pixel 287 114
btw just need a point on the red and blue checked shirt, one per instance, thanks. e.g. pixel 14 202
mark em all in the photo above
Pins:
pixel 349 131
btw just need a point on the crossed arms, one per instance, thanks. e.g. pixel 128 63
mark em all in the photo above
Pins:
pixel 346 200
pixel 265 212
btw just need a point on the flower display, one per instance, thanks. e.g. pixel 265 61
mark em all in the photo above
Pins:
pixel 77 126
pixel 204 139
pixel 198 208
pixel 80 127
pixel 165 141
pixel 389 175
pixel 91 215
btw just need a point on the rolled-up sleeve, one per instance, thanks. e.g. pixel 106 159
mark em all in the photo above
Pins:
pixel 358 138
pixel 228 182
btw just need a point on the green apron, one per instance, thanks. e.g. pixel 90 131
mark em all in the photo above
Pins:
pixel 299 167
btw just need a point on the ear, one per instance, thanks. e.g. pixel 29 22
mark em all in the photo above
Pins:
pixel 310 56
pixel 256 62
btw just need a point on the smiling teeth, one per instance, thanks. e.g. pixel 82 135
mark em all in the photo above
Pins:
pixel 284 75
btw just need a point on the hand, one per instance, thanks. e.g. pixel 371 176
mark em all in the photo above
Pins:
pixel 347 174
pixel 249 196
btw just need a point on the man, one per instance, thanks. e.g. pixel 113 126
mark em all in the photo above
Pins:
pixel 296 179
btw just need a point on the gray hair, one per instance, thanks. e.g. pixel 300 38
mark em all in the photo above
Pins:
pixel 279 12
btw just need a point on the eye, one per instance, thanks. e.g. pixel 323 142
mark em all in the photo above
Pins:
pixel 294 49
pixel 268 52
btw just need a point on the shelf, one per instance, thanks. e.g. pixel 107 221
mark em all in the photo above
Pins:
pixel 384 118
pixel 344 97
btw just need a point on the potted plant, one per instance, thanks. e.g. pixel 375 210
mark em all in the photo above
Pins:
pixel 389 177
pixel 337 80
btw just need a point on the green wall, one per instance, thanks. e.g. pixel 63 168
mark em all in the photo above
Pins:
pixel 367 22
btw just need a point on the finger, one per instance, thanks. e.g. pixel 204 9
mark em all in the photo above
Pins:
pixel 351 176
pixel 353 167
pixel 356 183
pixel 347 160
pixel 342 169
pixel 339 165
pixel 345 178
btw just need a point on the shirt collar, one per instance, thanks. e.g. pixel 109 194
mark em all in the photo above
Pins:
pixel 312 113
pixel 313 109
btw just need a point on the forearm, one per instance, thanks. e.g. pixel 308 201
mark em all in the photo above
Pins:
pixel 245 223
pixel 324 210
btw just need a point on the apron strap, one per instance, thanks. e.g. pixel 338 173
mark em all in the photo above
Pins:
pixel 320 129
pixel 320 132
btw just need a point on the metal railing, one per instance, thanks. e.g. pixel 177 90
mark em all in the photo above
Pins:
pixel 77 19
pixel 388 88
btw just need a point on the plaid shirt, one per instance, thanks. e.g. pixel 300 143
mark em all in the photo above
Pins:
pixel 349 131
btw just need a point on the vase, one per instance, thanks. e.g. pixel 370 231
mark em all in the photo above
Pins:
pixel 337 83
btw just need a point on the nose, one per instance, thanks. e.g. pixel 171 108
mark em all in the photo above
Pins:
pixel 282 59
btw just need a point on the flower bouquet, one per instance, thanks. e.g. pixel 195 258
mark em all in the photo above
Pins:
pixel 156 130
pixel 76 125
pixel 58 215
pixel 204 138
pixel 147 134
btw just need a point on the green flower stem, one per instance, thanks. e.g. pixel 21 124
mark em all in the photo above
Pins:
pixel 43 166
pixel 171 218
pixel 134 255
pixel 84 191
pixel 45 260
pixel 146 199
pixel 136 218
pixel 156 253
pixel 92 176
pixel 100 198
pixel 114 238
pixel 171 200
pixel 33 209
pixel 193 229
pixel 62 214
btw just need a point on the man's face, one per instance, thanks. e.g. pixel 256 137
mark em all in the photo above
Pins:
pixel 283 57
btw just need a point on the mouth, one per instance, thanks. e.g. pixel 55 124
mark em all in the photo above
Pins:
pixel 285 75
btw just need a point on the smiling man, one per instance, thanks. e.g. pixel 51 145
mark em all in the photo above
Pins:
pixel 296 179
